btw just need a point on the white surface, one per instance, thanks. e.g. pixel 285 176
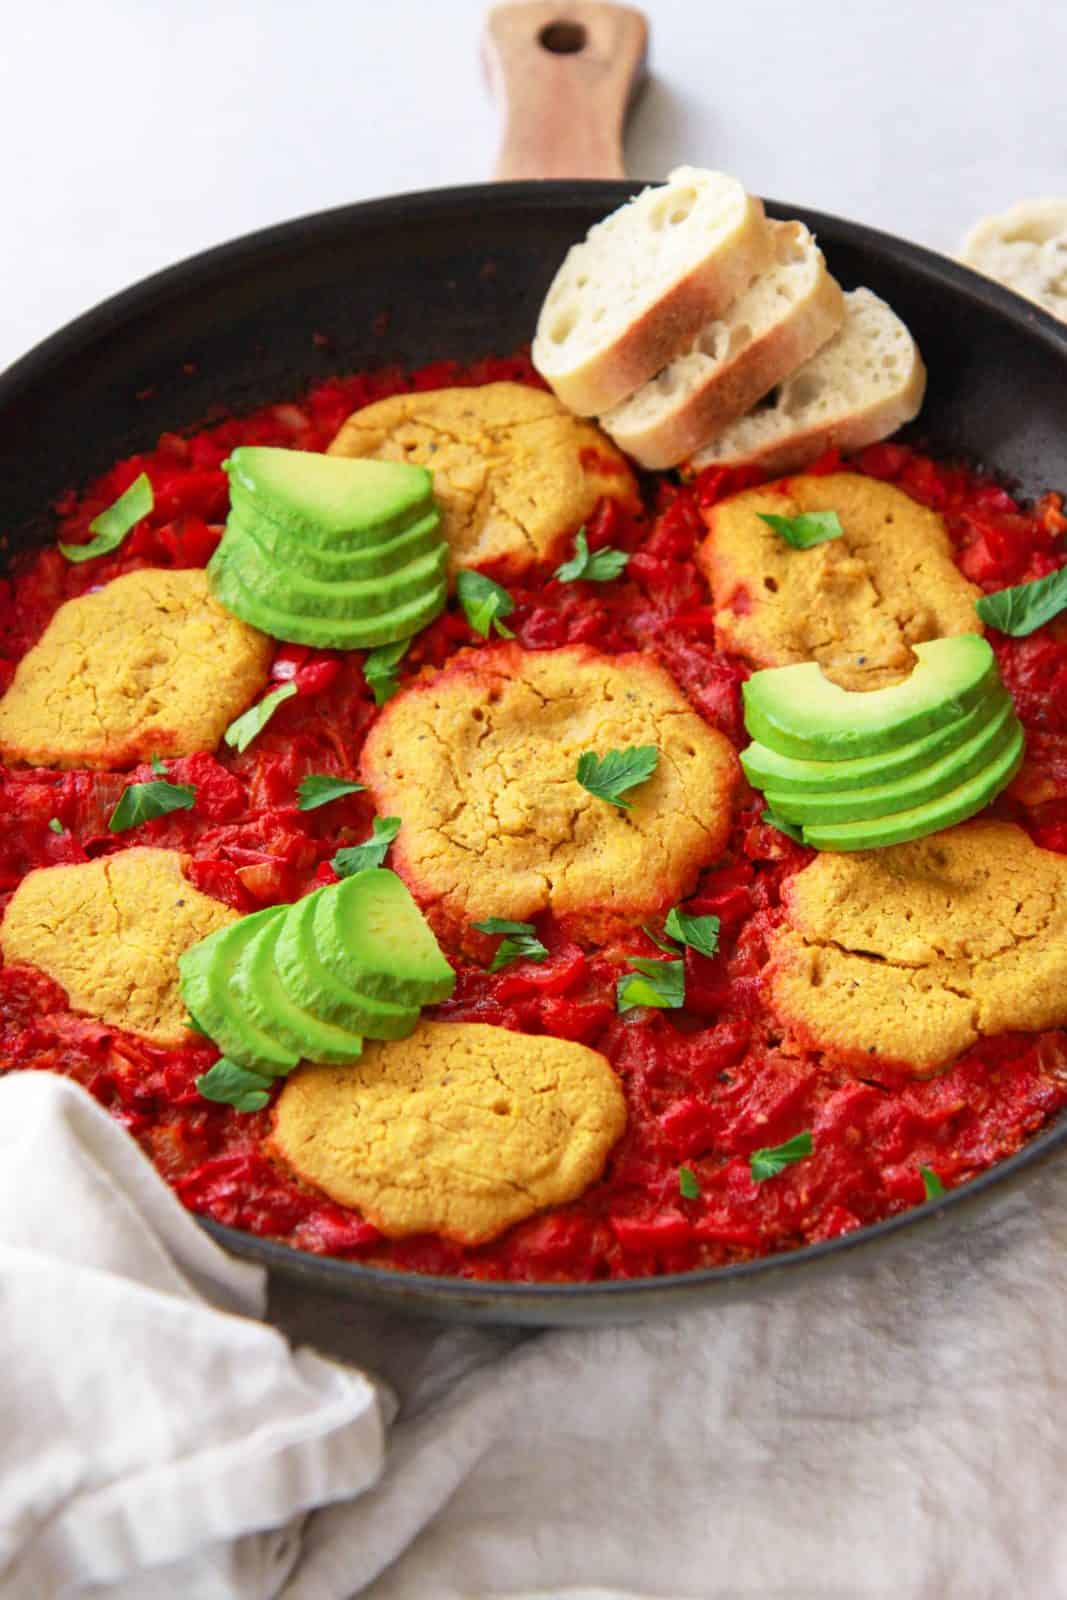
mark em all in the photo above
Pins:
pixel 135 132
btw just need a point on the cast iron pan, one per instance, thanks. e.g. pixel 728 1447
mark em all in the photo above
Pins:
pixel 461 273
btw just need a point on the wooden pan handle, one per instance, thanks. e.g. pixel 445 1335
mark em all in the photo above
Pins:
pixel 566 75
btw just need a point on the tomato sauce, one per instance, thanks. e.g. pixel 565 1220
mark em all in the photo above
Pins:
pixel 705 1087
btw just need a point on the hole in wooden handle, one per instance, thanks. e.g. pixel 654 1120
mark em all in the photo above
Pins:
pixel 563 38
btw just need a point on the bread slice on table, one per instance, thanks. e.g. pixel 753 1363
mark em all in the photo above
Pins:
pixel 642 284
pixel 779 322
pixel 862 386
pixel 1026 249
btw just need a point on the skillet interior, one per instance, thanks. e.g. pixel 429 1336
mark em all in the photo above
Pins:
pixel 460 273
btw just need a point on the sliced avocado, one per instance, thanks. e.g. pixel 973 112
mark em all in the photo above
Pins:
pixel 944 774
pixel 369 932
pixel 766 769
pixel 799 712
pixel 324 633
pixel 291 589
pixel 265 1000
pixel 323 496
pixel 207 971
pixel 956 806
pixel 312 986
pixel 346 561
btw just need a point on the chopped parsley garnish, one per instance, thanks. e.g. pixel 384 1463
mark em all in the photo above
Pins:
pixel 157 767
pixel 141 802
pixel 688 1187
pixel 1026 607
pixel 318 790
pixel 371 853
pixel 932 1184
pixel 699 933
pixel 768 1163
pixel 790 829
pixel 600 567
pixel 484 603
pixel 112 526
pixel 55 825
pixel 521 943
pixel 234 1085
pixel 244 729
pixel 379 669
pixel 807 529
pixel 608 777
pixel 651 983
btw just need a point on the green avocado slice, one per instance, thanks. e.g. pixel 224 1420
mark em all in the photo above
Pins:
pixel 265 1000
pixel 290 589
pixel 902 794
pixel 956 806
pixel 364 633
pixel 766 769
pixel 799 712
pixel 207 971
pixel 369 932
pixel 312 986
pixel 321 496
pixel 335 560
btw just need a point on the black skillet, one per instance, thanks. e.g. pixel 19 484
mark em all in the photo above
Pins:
pixel 461 273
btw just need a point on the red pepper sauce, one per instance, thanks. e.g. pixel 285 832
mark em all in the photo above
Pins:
pixel 706 1087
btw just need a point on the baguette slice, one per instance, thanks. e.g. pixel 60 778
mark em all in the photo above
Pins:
pixel 778 323
pixel 862 386
pixel 642 284
pixel 1026 249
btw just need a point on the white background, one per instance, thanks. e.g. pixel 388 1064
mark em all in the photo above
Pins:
pixel 132 134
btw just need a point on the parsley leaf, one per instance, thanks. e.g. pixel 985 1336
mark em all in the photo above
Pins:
pixel 790 829
pixel 484 603
pixel 600 567
pixel 769 1162
pixel 651 983
pixel 1026 607
pixel 112 525
pixel 808 529
pixel 521 945
pixel 318 790
pixel 243 729
pixel 668 946
pixel 931 1183
pixel 699 933
pixel 371 853
pixel 141 802
pixel 610 776
pixel 379 669
pixel 234 1085
pixel 688 1187
pixel 55 825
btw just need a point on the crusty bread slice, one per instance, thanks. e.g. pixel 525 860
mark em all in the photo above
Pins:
pixel 862 386
pixel 779 322
pixel 642 284
pixel 1026 249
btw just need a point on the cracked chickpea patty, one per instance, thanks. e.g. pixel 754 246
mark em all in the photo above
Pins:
pixel 515 474
pixel 480 761
pixel 461 1129
pixel 110 932
pixel 149 665
pixel 855 604
pixel 916 951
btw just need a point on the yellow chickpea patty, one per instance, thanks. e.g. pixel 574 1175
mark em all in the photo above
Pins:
pixel 855 604
pixel 916 951
pixel 110 932
pixel 149 665
pixel 480 763
pixel 515 474
pixel 461 1129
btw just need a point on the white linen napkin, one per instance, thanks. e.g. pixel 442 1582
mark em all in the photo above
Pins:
pixel 155 1440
